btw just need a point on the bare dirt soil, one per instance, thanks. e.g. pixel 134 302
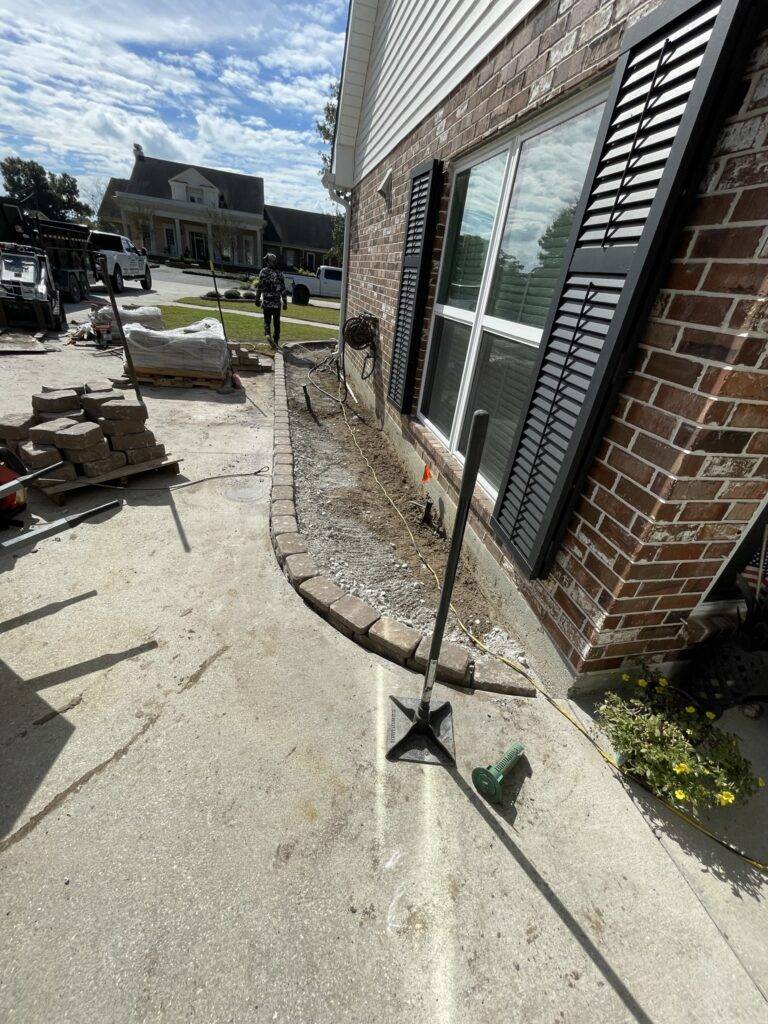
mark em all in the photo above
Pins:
pixel 351 530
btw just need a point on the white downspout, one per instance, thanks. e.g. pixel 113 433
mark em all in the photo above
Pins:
pixel 343 199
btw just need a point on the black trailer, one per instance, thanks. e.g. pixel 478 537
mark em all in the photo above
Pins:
pixel 64 243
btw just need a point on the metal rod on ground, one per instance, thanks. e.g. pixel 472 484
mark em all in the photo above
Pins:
pixel 65 523
pixel 418 732
pixel 119 325
pixel 22 481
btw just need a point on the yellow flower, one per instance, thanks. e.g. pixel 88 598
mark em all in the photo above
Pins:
pixel 642 682
pixel 724 797
pixel 691 709
pixel 680 794
pixel 663 683
pixel 625 677
pixel 711 716
pixel 760 781
pixel 681 768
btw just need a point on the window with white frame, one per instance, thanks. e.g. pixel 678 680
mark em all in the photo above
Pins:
pixel 510 217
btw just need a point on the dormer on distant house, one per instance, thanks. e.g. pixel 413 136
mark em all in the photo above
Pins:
pixel 184 210
pixel 193 187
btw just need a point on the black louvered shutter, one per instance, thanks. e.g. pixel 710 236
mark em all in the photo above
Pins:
pixel 665 102
pixel 414 280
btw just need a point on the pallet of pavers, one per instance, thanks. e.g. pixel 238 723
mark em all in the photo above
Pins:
pixel 99 432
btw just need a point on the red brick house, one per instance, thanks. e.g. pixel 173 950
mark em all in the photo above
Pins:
pixel 559 212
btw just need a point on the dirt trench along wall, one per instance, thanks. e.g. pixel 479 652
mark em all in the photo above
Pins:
pixel 683 466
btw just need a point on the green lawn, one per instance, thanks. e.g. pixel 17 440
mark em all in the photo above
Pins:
pixel 241 328
pixel 321 314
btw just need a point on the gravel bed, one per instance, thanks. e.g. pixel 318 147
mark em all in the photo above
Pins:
pixel 351 530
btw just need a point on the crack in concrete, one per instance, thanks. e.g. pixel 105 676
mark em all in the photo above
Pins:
pixel 58 800
pixel 58 711
pixel 199 672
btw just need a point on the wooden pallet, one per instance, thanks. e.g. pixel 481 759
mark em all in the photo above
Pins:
pixel 56 492
pixel 172 378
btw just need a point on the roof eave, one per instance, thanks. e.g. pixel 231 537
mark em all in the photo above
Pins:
pixel 361 24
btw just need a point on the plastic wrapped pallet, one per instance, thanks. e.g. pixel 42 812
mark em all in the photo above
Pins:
pixel 146 316
pixel 199 348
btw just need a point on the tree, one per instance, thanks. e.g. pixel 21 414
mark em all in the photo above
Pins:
pixel 93 195
pixel 335 253
pixel 56 195
pixel 223 233
pixel 326 127
pixel 139 220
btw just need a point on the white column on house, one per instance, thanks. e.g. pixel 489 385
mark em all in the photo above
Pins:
pixel 210 242
pixel 179 246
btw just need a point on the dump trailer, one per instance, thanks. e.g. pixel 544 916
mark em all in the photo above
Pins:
pixel 63 242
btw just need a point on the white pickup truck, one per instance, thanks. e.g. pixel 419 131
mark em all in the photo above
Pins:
pixel 124 261
pixel 326 284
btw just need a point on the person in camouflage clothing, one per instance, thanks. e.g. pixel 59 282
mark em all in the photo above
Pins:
pixel 270 294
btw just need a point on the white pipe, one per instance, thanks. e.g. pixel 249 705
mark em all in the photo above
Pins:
pixel 346 202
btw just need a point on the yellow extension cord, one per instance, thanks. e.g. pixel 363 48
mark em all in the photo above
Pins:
pixel 517 667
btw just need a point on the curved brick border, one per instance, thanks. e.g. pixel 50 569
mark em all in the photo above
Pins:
pixel 349 614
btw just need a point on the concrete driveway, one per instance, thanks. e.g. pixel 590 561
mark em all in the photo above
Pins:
pixel 208 830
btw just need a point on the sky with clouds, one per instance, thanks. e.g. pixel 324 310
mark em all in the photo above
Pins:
pixel 233 85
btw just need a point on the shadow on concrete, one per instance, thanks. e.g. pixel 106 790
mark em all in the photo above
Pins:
pixel 44 611
pixel 742 877
pixel 33 732
pixel 84 668
pixel 28 753
pixel 193 395
pixel 570 922
pixel 745 827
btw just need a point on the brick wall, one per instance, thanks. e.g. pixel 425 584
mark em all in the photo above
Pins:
pixel 683 465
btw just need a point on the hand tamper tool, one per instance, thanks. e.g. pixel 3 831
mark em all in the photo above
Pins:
pixel 416 731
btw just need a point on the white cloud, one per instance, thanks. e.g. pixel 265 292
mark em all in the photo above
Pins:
pixel 205 82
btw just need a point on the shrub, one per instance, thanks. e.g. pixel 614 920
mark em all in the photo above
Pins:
pixel 231 293
pixel 249 294
pixel 210 295
pixel 670 745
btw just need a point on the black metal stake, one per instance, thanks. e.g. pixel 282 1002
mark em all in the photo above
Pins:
pixel 119 325
pixel 218 301
pixel 221 314
pixel 418 732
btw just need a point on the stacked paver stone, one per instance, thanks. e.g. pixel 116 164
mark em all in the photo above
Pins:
pixel 94 429
pixel 349 614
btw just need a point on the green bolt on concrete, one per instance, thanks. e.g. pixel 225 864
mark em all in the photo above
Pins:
pixel 487 781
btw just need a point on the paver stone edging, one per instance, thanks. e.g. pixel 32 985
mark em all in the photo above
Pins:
pixel 349 614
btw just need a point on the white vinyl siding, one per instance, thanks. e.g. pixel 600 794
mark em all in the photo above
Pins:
pixel 406 81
